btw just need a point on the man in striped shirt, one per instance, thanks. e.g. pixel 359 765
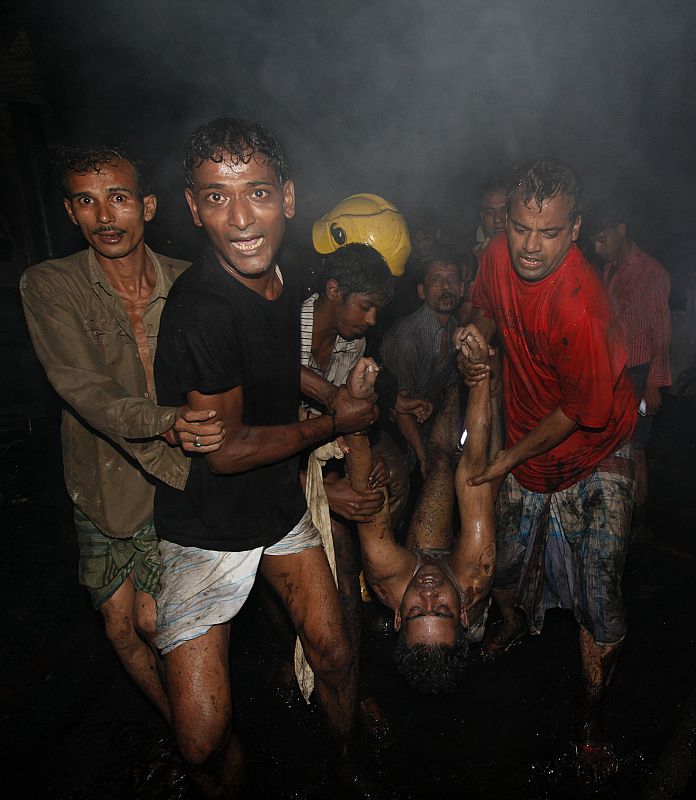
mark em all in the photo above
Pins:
pixel 638 286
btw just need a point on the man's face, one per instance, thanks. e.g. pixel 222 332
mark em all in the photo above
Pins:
pixel 608 243
pixel 356 314
pixel 539 239
pixel 430 610
pixel 442 287
pixel 107 207
pixel 423 242
pixel 242 208
pixel 493 212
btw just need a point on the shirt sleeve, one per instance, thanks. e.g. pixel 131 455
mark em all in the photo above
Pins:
pixel 657 300
pixel 75 371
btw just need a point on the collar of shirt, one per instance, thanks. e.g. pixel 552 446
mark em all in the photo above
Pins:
pixel 98 278
pixel 341 345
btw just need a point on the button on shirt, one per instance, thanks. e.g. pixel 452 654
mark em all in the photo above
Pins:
pixel 413 350
pixel 84 338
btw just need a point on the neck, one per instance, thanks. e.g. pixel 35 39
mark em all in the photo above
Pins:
pixel 267 284
pixel 443 318
pixel 324 329
pixel 130 274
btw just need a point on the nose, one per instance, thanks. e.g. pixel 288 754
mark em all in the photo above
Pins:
pixel 500 216
pixel 532 243
pixel 240 214
pixel 105 212
pixel 371 317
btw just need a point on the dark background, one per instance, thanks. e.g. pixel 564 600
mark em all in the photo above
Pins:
pixel 416 100
pixel 419 101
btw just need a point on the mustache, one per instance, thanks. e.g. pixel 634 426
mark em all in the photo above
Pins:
pixel 447 295
pixel 103 229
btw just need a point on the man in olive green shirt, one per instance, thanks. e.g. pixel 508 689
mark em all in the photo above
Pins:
pixel 94 319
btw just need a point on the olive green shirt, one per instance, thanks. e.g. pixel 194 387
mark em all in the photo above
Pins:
pixel 110 428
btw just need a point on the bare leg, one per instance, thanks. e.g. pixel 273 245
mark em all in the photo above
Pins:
pixel 129 618
pixel 199 687
pixel 432 519
pixel 304 583
pixel 596 760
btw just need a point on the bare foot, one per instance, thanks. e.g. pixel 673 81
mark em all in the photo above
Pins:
pixel 596 765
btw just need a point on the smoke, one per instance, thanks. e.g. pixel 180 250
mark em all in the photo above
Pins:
pixel 417 100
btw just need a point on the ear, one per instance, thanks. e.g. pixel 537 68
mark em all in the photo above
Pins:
pixel 289 199
pixel 191 200
pixel 149 206
pixel 68 208
pixel 621 230
pixel 397 620
pixel 333 291
pixel 576 228
pixel 421 291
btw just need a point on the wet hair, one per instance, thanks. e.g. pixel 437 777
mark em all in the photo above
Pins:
pixel 358 269
pixel 432 669
pixel 82 159
pixel 461 259
pixel 543 179
pixel 607 214
pixel 237 138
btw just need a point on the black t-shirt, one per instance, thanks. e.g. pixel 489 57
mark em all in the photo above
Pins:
pixel 216 334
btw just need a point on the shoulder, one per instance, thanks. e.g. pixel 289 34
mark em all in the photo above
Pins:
pixel 56 277
pixel 171 267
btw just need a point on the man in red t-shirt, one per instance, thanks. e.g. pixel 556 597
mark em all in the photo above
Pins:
pixel 565 502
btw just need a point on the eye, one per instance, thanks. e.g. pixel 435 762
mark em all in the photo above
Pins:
pixel 339 235
pixel 119 198
pixel 259 194
pixel 214 197
pixel 85 201
pixel 550 234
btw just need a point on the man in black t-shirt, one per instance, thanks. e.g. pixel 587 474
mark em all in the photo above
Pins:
pixel 229 340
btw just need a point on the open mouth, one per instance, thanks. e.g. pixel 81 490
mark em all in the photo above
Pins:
pixel 247 245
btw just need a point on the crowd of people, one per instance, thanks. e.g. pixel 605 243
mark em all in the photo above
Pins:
pixel 483 446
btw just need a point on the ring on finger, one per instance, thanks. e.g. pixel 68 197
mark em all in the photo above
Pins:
pixel 197 441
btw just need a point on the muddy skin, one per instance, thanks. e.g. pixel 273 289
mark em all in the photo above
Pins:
pixel 597 766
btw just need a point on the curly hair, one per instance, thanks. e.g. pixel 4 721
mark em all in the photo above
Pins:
pixel 542 179
pixel 82 159
pixel 237 138
pixel 432 669
pixel 357 269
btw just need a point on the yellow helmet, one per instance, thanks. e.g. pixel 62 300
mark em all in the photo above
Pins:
pixel 365 219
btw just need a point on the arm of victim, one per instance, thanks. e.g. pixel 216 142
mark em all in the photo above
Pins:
pixel 551 431
pixel 247 447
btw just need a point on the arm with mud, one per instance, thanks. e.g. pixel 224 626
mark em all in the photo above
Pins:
pixel 473 556
pixel 388 565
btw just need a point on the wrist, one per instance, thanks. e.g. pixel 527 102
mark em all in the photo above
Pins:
pixel 332 415
pixel 170 437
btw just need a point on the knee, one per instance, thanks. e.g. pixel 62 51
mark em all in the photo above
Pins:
pixel 198 744
pixel 332 659
pixel 145 617
pixel 120 628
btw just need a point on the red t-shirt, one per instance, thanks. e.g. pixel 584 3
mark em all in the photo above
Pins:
pixel 562 348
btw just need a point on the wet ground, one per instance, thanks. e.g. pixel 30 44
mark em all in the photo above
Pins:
pixel 74 727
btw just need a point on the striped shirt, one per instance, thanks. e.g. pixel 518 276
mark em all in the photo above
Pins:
pixel 345 353
pixel 639 290
pixel 410 350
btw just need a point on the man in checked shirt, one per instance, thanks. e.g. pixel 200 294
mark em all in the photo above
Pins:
pixel 638 286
